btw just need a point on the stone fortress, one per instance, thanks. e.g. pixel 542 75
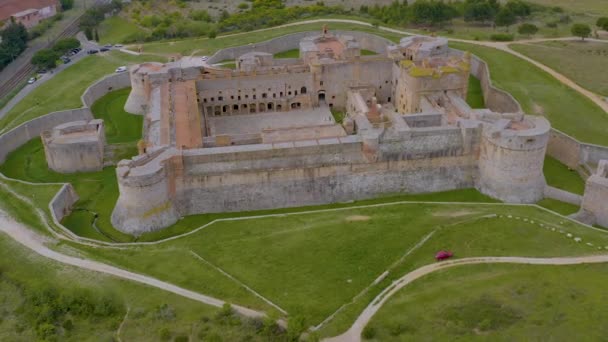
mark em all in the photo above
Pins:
pixel 76 146
pixel 263 136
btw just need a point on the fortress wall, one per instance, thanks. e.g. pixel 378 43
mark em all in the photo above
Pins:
pixel 338 77
pixel 281 188
pixel 104 86
pixel 572 152
pixel 367 41
pixel 84 156
pixel 424 143
pixel 564 148
pixel 32 129
pixel 61 204
pixel 495 99
pixel 511 167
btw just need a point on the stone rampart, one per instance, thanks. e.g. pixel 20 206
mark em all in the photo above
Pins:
pixel 495 99
pixel 572 152
pixel 31 129
pixel 367 41
pixel 61 204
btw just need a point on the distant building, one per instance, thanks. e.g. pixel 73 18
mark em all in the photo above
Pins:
pixel 27 12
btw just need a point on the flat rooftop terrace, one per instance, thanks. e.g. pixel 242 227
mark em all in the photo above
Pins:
pixel 256 123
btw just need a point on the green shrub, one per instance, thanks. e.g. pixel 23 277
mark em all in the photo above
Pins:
pixel 369 332
pixel 502 37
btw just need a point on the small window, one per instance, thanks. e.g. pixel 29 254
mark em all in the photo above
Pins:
pixel 321 83
pixel 212 99
pixel 220 98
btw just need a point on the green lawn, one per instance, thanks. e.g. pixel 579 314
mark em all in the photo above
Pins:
pixel 115 29
pixel 560 176
pixel 475 94
pixel 63 91
pixel 540 93
pixel 33 288
pixel 559 206
pixel 120 126
pixel 293 53
pixel 311 264
pixel 498 303
pixel 583 62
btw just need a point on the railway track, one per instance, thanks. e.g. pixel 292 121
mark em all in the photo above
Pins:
pixel 26 68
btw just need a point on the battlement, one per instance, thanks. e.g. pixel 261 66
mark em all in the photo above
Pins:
pixel 329 126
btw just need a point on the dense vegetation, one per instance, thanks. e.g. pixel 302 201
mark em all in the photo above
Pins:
pixel 14 41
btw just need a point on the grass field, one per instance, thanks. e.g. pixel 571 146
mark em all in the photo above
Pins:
pixel 98 191
pixel 311 264
pixel 31 287
pixel 560 176
pixel 475 94
pixel 558 206
pixel 498 303
pixel 540 93
pixel 583 62
pixel 115 29
pixel 63 91
pixel 293 53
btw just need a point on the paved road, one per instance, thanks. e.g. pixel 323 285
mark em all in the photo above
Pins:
pixel 354 333
pixel 85 45
pixel 36 243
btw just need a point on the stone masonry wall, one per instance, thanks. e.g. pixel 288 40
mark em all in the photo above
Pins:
pixel 62 203
pixel 367 41
pixel 32 129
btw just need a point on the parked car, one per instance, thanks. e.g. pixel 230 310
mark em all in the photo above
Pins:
pixel 121 69
pixel 118 46
pixel 31 80
pixel 92 51
pixel 443 255
pixel 205 58
pixel 66 60
pixel 42 71
pixel 104 49
pixel 108 46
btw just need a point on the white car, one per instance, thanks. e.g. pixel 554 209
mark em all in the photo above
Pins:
pixel 121 69
pixel 31 80
pixel 204 58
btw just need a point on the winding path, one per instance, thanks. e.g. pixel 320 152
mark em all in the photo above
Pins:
pixel 36 243
pixel 354 332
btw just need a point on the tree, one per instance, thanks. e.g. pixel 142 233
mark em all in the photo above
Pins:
pixel 479 10
pixel 64 45
pixel 66 4
pixel 527 29
pixel 581 30
pixel 45 59
pixel 519 8
pixel 602 23
pixel 14 41
pixel 505 17
pixel 212 34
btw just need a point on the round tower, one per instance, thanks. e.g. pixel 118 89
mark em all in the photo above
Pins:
pixel 140 87
pixel 144 203
pixel 511 159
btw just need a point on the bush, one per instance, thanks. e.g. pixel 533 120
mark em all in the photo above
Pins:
pixel 164 334
pixel 369 332
pixel 502 37
pixel 527 29
pixel 45 59
pixel 602 23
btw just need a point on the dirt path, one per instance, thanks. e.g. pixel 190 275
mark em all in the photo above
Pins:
pixel 354 333
pixel 36 243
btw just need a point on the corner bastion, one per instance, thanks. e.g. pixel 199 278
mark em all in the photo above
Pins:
pixel 76 146
pixel 263 136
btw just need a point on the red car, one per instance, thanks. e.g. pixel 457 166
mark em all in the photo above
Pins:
pixel 443 255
